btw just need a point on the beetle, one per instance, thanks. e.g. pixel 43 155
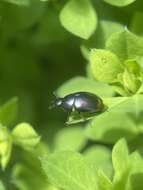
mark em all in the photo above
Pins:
pixel 84 104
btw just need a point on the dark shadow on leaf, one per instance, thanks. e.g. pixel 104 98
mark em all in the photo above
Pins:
pixel 136 119
pixel 115 134
pixel 137 181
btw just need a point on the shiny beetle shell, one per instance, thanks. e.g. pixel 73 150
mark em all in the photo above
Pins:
pixel 81 102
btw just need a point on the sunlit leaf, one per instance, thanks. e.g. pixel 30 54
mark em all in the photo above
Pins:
pixel 68 170
pixel 25 136
pixel 119 3
pixel 8 111
pixel 79 18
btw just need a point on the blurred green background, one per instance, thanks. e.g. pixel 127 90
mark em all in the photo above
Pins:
pixel 37 54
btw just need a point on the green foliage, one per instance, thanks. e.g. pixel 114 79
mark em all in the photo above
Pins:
pixel 1 186
pixel 129 110
pixel 18 2
pixel 22 178
pixel 105 66
pixel 5 146
pixel 99 157
pixel 105 129
pixel 136 23
pixel 104 182
pixel 68 170
pixel 120 3
pixel 120 158
pixel 77 15
pixel 125 45
pixel 85 84
pixel 70 139
pixel 71 46
pixel 131 83
pixel 8 112
pixel 136 173
pixel 25 136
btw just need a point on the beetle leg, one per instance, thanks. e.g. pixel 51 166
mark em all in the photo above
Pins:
pixel 68 115
pixel 82 116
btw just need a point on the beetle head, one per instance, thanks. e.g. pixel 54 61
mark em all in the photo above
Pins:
pixel 56 103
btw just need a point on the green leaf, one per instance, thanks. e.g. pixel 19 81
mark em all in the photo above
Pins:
pixel 104 182
pixel 122 182
pixel 100 158
pixel 85 52
pixel 25 136
pixel 6 157
pixel 132 76
pixel 74 118
pixel 22 177
pixel 8 111
pixel 105 29
pixel 120 90
pixel 105 129
pixel 44 0
pixel 70 138
pixel 68 170
pixel 140 91
pixel 2 186
pixel 125 45
pixel 131 105
pixel 109 27
pixel 27 172
pixel 112 102
pixel 105 65
pixel 18 2
pixel 41 149
pixel 5 146
pixel 89 73
pixel 136 173
pixel 120 158
pixel 130 82
pixel 51 187
pixel 136 23
pixel 84 84
pixel 133 67
pixel 79 18
pixel 136 161
pixel 119 3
